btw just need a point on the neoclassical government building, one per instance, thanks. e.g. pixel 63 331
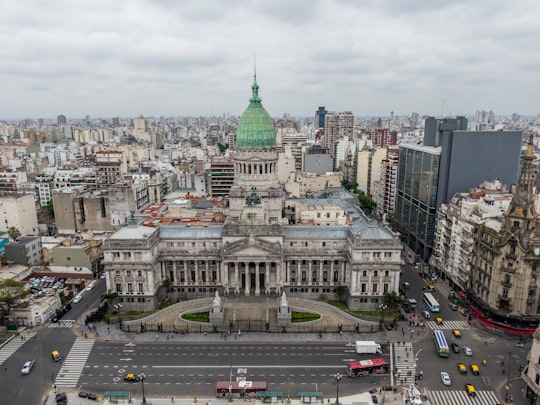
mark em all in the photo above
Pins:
pixel 265 247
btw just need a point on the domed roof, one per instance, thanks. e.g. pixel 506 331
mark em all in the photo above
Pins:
pixel 256 127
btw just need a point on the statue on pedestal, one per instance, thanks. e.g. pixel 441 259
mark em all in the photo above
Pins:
pixel 217 300
pixel 284 300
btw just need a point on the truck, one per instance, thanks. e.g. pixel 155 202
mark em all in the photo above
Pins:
pixel 367 347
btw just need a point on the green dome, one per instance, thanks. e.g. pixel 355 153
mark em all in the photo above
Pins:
pixel 256 127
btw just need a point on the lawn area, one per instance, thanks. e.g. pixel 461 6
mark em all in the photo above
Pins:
pixel 343 306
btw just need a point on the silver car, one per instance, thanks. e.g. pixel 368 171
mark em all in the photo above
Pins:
pixel 27 367
pixel 445 378
pixel 467 350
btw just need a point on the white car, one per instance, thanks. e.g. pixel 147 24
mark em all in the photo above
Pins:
pixel 27 367
pixel 467 350
pixel 445 378
pixel 77 298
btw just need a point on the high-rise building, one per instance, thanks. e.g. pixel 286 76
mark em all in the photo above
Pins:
pixel 451 160
pixel 61 120
pixel 382 137
pixel 386 188
pixel 320 115
pixel 337 126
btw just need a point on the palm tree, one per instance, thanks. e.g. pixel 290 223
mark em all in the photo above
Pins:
pixel 13 232
pixel 392 301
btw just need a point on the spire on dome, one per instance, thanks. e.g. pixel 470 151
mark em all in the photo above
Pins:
pixel 255 87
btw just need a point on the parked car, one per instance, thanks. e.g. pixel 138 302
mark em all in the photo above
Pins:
pixel 445 378
pixel 27 367
pixel 77 298
pixel 453 306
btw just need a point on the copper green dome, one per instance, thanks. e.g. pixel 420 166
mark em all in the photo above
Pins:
pixel 256 127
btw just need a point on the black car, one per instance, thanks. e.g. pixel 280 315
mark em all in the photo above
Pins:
pixel 455 347
pixel 374 399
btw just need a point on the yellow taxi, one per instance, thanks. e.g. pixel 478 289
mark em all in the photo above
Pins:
pixel 474 369
pixel 131 377
pixel 457 333
pixel 461 368
pixel 431 288
pixel 56 355
pixel 438 320
pixel 471 391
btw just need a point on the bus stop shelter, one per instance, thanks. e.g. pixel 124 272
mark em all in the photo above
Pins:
pixel 311 397
pixel 270 396
pixel 118 397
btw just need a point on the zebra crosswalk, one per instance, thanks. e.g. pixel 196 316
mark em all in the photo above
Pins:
pixel 12 346
pixel 405 369
pixel 460 397
pixel 448 325
pixel 73 365
pixel 62 324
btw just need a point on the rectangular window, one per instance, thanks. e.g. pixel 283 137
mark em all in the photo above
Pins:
pixel 364 287
pixel 130 287
pixel 118 287
pixel 128 273
pixel 117 273
pixel 139 273
pixel 140 287
pixel 374 288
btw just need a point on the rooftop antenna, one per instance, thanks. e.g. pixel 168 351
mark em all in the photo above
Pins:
pixel 254 66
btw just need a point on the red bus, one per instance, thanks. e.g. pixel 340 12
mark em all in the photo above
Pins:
pixel 239 389
pixel 365 367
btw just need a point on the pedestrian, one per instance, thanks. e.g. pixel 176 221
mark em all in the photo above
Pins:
pixel 5 368
pixel 398 343
pixel 398 357
pixel 407 354
pixel 503 371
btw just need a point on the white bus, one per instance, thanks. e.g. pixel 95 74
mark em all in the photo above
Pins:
pixel 440 343
pixel 431 302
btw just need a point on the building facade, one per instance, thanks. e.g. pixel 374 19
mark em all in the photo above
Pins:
pixel 263 248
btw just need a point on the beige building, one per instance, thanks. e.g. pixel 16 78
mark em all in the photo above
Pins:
pixel 19 211
pixel 531 373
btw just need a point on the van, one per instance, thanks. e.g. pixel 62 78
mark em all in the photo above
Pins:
pixel 56 355
pixel 426 314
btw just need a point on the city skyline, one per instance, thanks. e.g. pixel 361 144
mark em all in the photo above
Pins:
pixel 196 58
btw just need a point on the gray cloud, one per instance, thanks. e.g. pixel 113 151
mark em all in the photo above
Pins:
pixel 165 57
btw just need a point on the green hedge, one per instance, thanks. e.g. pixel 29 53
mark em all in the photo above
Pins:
pixel 297 317
pixel 203 317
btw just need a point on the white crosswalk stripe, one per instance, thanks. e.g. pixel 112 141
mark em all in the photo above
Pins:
pixel 12 346
pixel 73 365
pixel 404 363
pixel 448 325
pixel 456 397
pixel 62 324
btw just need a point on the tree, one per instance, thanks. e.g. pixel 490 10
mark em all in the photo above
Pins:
pixel 340 291
pixel 50 207
pixel 10 292
pixel 110 297
pixel 392 301
pixel 13 232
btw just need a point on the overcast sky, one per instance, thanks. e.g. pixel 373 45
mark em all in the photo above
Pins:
pixel 110 58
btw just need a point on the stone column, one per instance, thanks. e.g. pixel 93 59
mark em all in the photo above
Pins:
pixel 197 275
pixel 247 278
pixel 257 280
pixel 320 281
pixel 266 278
pixel 309 272
pixel 236 280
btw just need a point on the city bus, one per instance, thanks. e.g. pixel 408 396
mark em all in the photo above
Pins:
pixel 440 343
pixel 365 367
pixel 431 302
pixel 239 389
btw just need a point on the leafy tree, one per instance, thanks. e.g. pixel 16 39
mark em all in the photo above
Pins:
pixel 340 291
pixel 349 185
pixel 50 206
pixel 13 232
pixel 110 297
pixel 10 292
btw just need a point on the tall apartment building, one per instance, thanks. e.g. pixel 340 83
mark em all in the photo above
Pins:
pixel 18 211
pixel 451 160
pixel 221 176
pixel 457 225
pixel 61 120
pixel 382 137
pixel 531 373
pixel 386 188
pixel 109 166
pixel 337 126
pixel 320 116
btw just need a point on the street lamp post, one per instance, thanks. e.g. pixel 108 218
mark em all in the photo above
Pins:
pixel 338 378
pixel 195 383
pixel 382 308
pixel 142 376
pixel 421 300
